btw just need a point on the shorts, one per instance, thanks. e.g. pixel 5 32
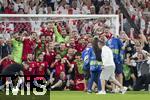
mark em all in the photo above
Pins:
pixel 108 73
pixel 119 68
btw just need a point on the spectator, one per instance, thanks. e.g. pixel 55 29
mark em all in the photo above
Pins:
pixel 32 6
pixel 139 49
pixel 92 10
pixel 9 9
pixel 63 7
pixel 1 8
pixel 4 49
pixel 21 11
pixel 75 9
pixel 106 8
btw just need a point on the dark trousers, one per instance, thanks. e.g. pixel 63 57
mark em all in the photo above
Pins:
pixel 142 82
pixel 94 77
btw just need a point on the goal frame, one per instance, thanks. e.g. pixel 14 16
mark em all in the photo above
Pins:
pixel 64 16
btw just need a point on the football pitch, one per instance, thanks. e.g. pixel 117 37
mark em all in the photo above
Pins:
pixel 74 95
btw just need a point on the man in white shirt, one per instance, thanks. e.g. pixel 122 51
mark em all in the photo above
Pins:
pixel 75 9
pixel 108 70
pixel 139 49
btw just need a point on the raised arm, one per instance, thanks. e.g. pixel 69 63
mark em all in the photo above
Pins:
pixel 58 36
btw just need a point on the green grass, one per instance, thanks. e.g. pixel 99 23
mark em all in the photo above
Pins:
pixel 73 95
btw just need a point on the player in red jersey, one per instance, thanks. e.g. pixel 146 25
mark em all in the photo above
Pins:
pixel 48 39
pixel 6 61
pixel 70 68
pixel 72 43
pixel 30 70
pixel 58 66
pixel 80 46
pixel 41 70
pixel 41 65
pixel 49 30
pixel 41 45
pixel 58 76
pixel 28 45
pixel 50 54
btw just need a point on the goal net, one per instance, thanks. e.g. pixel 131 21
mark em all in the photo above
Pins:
pixel 39 23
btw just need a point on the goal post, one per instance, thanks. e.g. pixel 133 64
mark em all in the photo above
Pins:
pixel 10 18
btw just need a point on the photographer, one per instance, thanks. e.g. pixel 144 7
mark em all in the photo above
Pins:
pixel 142 64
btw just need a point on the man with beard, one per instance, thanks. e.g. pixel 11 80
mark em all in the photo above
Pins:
pixel 41 70
pixel 50 53
pixel 41 45
pixel 58 81
pixel 70 68
pixel 31 66
pixel 17 48
pixel 28 45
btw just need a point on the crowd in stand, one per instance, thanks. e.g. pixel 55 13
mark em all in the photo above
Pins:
pixel 55 48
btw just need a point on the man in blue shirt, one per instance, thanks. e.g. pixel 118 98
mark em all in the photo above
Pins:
pixel 116 46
